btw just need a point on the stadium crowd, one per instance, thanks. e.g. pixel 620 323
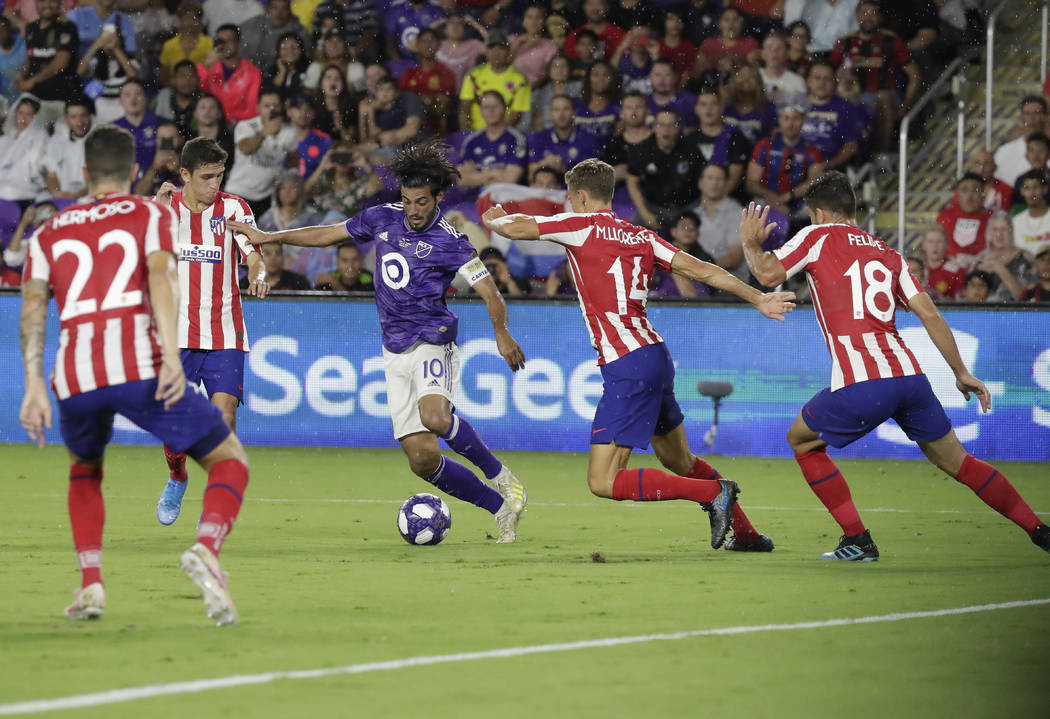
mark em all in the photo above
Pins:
pixel 700 106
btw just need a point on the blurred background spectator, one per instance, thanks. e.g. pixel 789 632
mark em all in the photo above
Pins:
pixel 1012 268
pixel 348 275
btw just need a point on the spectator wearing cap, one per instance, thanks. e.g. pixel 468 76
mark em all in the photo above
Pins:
pixel 1012 268
pixel 609 35
pixel 1037 154
pixel 178 101
pixel 230 12
pixel 1040 291
pixel 967 223
pixel 190 43
pixel 497 75
pixel 945 280
pixel 776 77
pixel 496 264
pixel 430 81
pixel 619 151
pixel 404 20
pixel 229 77
pixel 359 20
pixel 313 144
pixel 719 143
pixel 783 166
pixel 498 153
pixel 667 95
pixel 1032 227
pixel 831 123
pixel 392 119
pixel 662 178
pixel 564 145
pixel 263 32
pixel 333 50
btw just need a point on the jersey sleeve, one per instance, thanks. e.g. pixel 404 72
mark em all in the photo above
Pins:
pixel 359 227
pixel 473 271
pixel 804 248
pixel 243 213
pixel 162 229
pixel 663 252
pixel 567 228
pixel 244 130
pixel 908 286
pixel 37 267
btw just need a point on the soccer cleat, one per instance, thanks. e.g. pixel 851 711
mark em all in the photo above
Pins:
pixel 761 544
pixel 202 567
pixel 720 511
pixel 88 602
pixel 1041 537
pixel 858 548
pixel 507 522
pixel 170 503
pixel 511 489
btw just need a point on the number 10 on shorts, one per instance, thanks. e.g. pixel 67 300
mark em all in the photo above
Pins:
pixel 433 369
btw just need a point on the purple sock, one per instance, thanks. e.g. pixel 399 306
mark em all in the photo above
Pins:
pixel 455 479
pixel 464 441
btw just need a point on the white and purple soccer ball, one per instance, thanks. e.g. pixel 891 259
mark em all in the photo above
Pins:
pixel 424 519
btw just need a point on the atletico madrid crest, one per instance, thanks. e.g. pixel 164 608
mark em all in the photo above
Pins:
pixel 218 226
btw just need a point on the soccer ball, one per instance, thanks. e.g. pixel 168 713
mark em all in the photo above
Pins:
pixel 424 519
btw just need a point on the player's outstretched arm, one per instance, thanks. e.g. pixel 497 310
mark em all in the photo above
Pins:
pixel 944 341
pixel 35 413
pixel 771 304
pixel 516 227
pixel 317 236
pixel 164 297
pixel 754 230
pixel 508 347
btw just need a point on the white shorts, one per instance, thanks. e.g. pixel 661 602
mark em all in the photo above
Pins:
pixel 420 370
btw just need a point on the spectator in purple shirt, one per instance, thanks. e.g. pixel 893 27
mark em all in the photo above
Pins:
pixel 719 143
pixel 139 122
pixel 564 144
pixel 599 107
pixel 496 153
pixel 404 20
pixel 667 95
pixel 831 123
pixel 746 107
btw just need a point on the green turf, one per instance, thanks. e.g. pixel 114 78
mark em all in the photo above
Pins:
pixel 322 579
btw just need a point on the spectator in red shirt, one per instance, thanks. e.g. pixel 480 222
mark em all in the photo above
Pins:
pixel 609 35
pixel 729 47
pixel 229 77
pixel 966 225
pixel 434 83
pixel 876 56
pixel 996 192
pixel 945 280
pixel 673 45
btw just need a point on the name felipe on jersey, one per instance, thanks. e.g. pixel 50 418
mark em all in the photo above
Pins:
pixel 94 213
pixel 200 253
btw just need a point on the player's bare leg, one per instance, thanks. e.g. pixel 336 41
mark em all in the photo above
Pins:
pixel 608 476
pixel 672 449
pixel 990 486
pixel 827 482
pixel 448 475
pixel 227 468
pixel 87 516
pixel 170 503
pixel 435 412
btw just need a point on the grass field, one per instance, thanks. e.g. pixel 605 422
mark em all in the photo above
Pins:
pixel 322 579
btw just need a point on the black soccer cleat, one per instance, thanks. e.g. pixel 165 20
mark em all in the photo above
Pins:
pixel 858 548
pixel 720 511
pixel 761 544
pixel 1041 537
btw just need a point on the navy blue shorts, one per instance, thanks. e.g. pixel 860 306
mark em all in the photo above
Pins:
pixel 849 413
pixel 219 370
pixel 194 425
pixel 638 399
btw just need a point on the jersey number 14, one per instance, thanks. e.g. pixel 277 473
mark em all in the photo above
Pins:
pixel 639 287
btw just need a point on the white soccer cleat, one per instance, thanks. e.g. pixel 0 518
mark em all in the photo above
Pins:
pixel 88 602
pixel 202 567
pixel 507 522
pixel 511 489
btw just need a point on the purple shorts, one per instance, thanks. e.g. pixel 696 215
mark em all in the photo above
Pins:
pixel 219 370
pixel 638 399
pixel 194 425
pixel 848 414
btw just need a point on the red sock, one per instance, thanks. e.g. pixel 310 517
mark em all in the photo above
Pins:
pixel 743 530
pixel 996 491
pixel 87 515
pixel 176 464
pixel 824 478
pixel 222 501
pixel 654 485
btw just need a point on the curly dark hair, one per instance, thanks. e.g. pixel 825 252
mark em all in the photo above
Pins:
pixel 425 164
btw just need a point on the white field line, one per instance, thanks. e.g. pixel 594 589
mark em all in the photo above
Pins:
pixel 115 696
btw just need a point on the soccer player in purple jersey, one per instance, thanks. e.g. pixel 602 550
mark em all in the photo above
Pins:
pixel 417 255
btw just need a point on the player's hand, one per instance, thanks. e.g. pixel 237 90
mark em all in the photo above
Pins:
pixel 755 227
pixel 164 193
pixel 967 383
pixel 171 382
pixel 35 414
pixel 775 305
pixel 492 214
pixel 259 287
pixel 510 350
pixel 253 233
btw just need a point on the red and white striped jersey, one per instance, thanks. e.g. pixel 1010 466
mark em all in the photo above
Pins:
pixel 210 316
pixel 857 282
pixel 612 262
pixel 93 256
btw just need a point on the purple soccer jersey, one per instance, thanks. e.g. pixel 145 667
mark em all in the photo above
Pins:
pixel 404 21
pixel 684 103
pixel 507 149
pixel 755 124
pixel 831 125
pixel 580 145
pixel 601 123
pixel 413 273
pixel 145 134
